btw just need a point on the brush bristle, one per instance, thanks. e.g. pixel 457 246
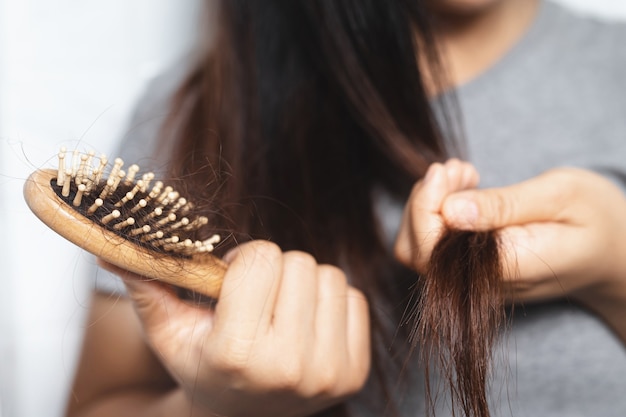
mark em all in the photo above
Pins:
pixel 135 207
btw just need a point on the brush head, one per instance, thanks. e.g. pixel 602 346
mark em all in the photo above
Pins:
pixel 131 221
pixel 143 211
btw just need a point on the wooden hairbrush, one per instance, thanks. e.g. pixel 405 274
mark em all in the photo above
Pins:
pixel 137 224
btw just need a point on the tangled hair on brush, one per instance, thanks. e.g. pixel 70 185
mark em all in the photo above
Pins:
pixel 301 112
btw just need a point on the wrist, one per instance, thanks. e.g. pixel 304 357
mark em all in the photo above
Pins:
pixel 608 301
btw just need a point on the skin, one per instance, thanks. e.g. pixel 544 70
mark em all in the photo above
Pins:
pixel 474 34
pixel 288 337
pixel 567 246
pixel 574 233
pixel 255 354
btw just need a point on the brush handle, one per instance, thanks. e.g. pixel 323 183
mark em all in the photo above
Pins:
pixel 202 273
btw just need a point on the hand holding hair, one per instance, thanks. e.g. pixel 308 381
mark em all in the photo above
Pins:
pixel 423 222
pixel 563 234
pixel 459 307
pixel 288 337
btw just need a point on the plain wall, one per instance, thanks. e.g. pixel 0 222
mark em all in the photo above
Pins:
pixel 70 71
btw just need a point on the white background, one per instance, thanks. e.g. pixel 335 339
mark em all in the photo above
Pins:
pixel 70 71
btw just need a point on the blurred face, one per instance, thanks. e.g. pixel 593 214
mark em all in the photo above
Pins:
pixel 462 7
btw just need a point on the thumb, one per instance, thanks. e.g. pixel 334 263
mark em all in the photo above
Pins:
pixel 154 302
pixel 522 203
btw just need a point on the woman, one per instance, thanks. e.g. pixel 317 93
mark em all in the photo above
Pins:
pixel 311 123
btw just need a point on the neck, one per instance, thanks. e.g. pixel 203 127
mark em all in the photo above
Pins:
pixel 470 43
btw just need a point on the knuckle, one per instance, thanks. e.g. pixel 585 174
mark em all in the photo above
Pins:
pixel 414 252
pixel 565 185
pixel 256 249
pixel 567 178
pixel 289 375
pixel 355 383
pixel 408 254
pixel 333 381
pixel 266 249
pixel 346 376
pixel 225 364
pixel 564 173
pixel 401 252
pixel 231 356
pixel 327 381
pixel 357 296
pixel 502 208
pixel 453 167
pixel 421 262
pixel 332 275
pixel 259 253
pixel 359 305
pixel 300 260
pixel 415 204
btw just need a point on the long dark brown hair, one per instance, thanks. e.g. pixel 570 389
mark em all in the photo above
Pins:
pixel 288 124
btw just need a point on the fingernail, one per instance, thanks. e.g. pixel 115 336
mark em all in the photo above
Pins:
pixel 461 212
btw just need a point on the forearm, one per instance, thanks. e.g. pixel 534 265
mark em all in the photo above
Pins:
pixel 615 316
pixel 141 403
pixel 609 304
pixel 607 297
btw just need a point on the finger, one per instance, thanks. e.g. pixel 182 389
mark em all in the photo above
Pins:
pixel 428 195
pixel 294 315
pixel 469 177
pixel 143 291
pixel 358 335
pixel 249 290
pixel 160 310
pixel 453 169
pixel 539 199
pixel 331 312
pixel 460 175
pixel 420 224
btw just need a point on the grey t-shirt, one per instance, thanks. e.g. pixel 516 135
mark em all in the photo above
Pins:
pixel 557 98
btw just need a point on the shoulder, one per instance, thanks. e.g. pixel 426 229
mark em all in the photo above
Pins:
pixel 591 38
